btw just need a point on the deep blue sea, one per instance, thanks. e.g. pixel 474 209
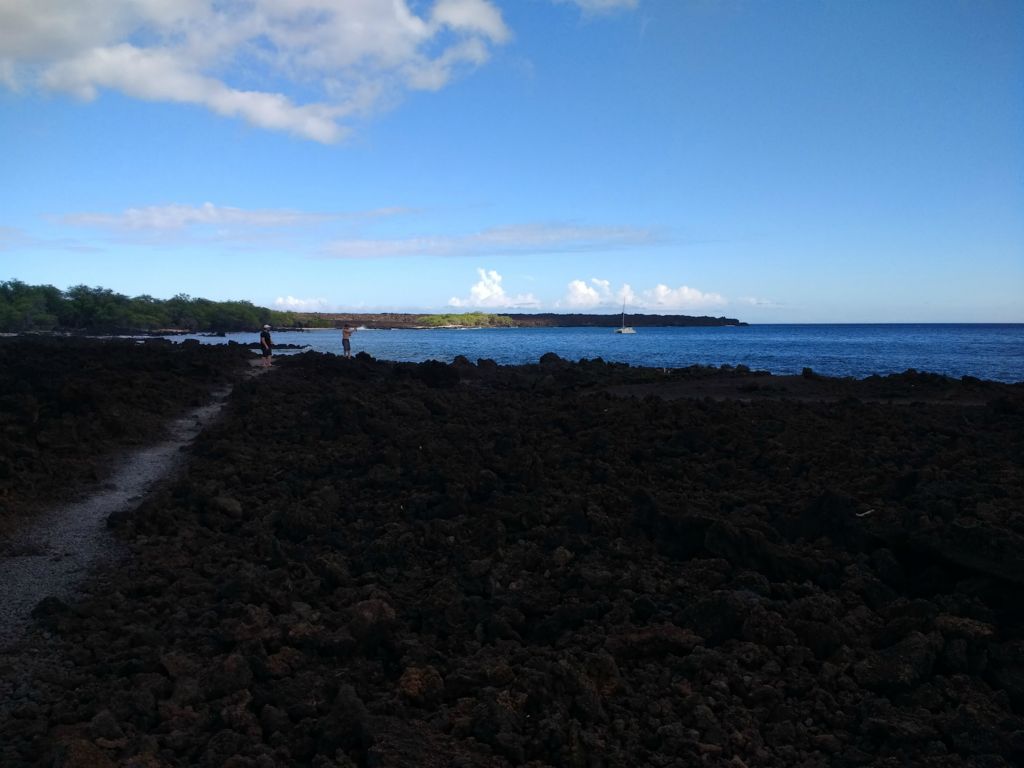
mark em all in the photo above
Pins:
pixel 988 351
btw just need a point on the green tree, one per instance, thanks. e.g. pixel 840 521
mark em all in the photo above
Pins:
pixel 467 319
pixel 26 307
pixel 147 313
pixel 29 307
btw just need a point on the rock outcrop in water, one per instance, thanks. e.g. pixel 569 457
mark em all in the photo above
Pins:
pixel 406 565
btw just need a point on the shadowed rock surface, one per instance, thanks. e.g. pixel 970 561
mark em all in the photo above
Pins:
pixel 374 564
pixel 68 405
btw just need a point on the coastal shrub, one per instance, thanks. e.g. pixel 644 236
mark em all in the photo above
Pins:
pixel 26 307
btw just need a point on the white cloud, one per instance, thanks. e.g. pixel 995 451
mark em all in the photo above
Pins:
pixel 598 294
pixel 581 295
pixel 475 16
pixel 290 303
pixel 489 293
pixel 627 296
pixel 527 238
pixel 683 297
pixel 358 55
pixel 160 76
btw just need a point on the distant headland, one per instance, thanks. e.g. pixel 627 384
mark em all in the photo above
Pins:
pixel 516 320
pixel 81 309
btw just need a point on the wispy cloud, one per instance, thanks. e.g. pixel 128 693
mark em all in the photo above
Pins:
pixel 176 217
pixel 489 293
pixel 359 56
pixel 753 301
pixel 528 238
pixel 602 6
pixel 11 237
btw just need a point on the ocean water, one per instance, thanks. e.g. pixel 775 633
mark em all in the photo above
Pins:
pixel 987 351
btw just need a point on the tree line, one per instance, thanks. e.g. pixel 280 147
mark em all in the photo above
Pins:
pixel 467 320
pixel 26 307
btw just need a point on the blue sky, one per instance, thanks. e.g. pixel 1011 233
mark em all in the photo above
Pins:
pixel 791 161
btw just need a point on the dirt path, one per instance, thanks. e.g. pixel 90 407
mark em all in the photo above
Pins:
pixel 52 556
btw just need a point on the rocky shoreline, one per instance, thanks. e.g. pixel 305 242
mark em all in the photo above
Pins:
pixel 386 564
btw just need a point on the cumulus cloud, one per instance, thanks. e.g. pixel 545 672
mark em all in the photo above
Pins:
pixel 598 293
pixel 683 297
pixel 583 295
pixel 357 56
pixel 290 303
pixel 526 238
pixel 593 294
pixel 489 293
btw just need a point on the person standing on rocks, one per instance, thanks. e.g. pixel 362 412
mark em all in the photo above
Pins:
pixel 266 346
pixel 346 339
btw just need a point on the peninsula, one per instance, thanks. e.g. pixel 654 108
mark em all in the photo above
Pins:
pixel 517 320
pixel 82 309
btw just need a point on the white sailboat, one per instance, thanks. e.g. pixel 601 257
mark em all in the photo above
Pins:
pixel 625 328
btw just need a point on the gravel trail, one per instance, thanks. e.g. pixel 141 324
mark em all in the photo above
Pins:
pixel 53 555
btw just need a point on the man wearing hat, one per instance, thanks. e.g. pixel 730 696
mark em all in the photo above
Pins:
pixel 266 346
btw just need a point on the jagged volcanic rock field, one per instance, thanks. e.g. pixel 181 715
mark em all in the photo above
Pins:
pixel 67 405
pixel 374 564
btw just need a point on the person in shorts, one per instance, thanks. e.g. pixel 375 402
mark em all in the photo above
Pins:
pixel 266 346
pixel 346 339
